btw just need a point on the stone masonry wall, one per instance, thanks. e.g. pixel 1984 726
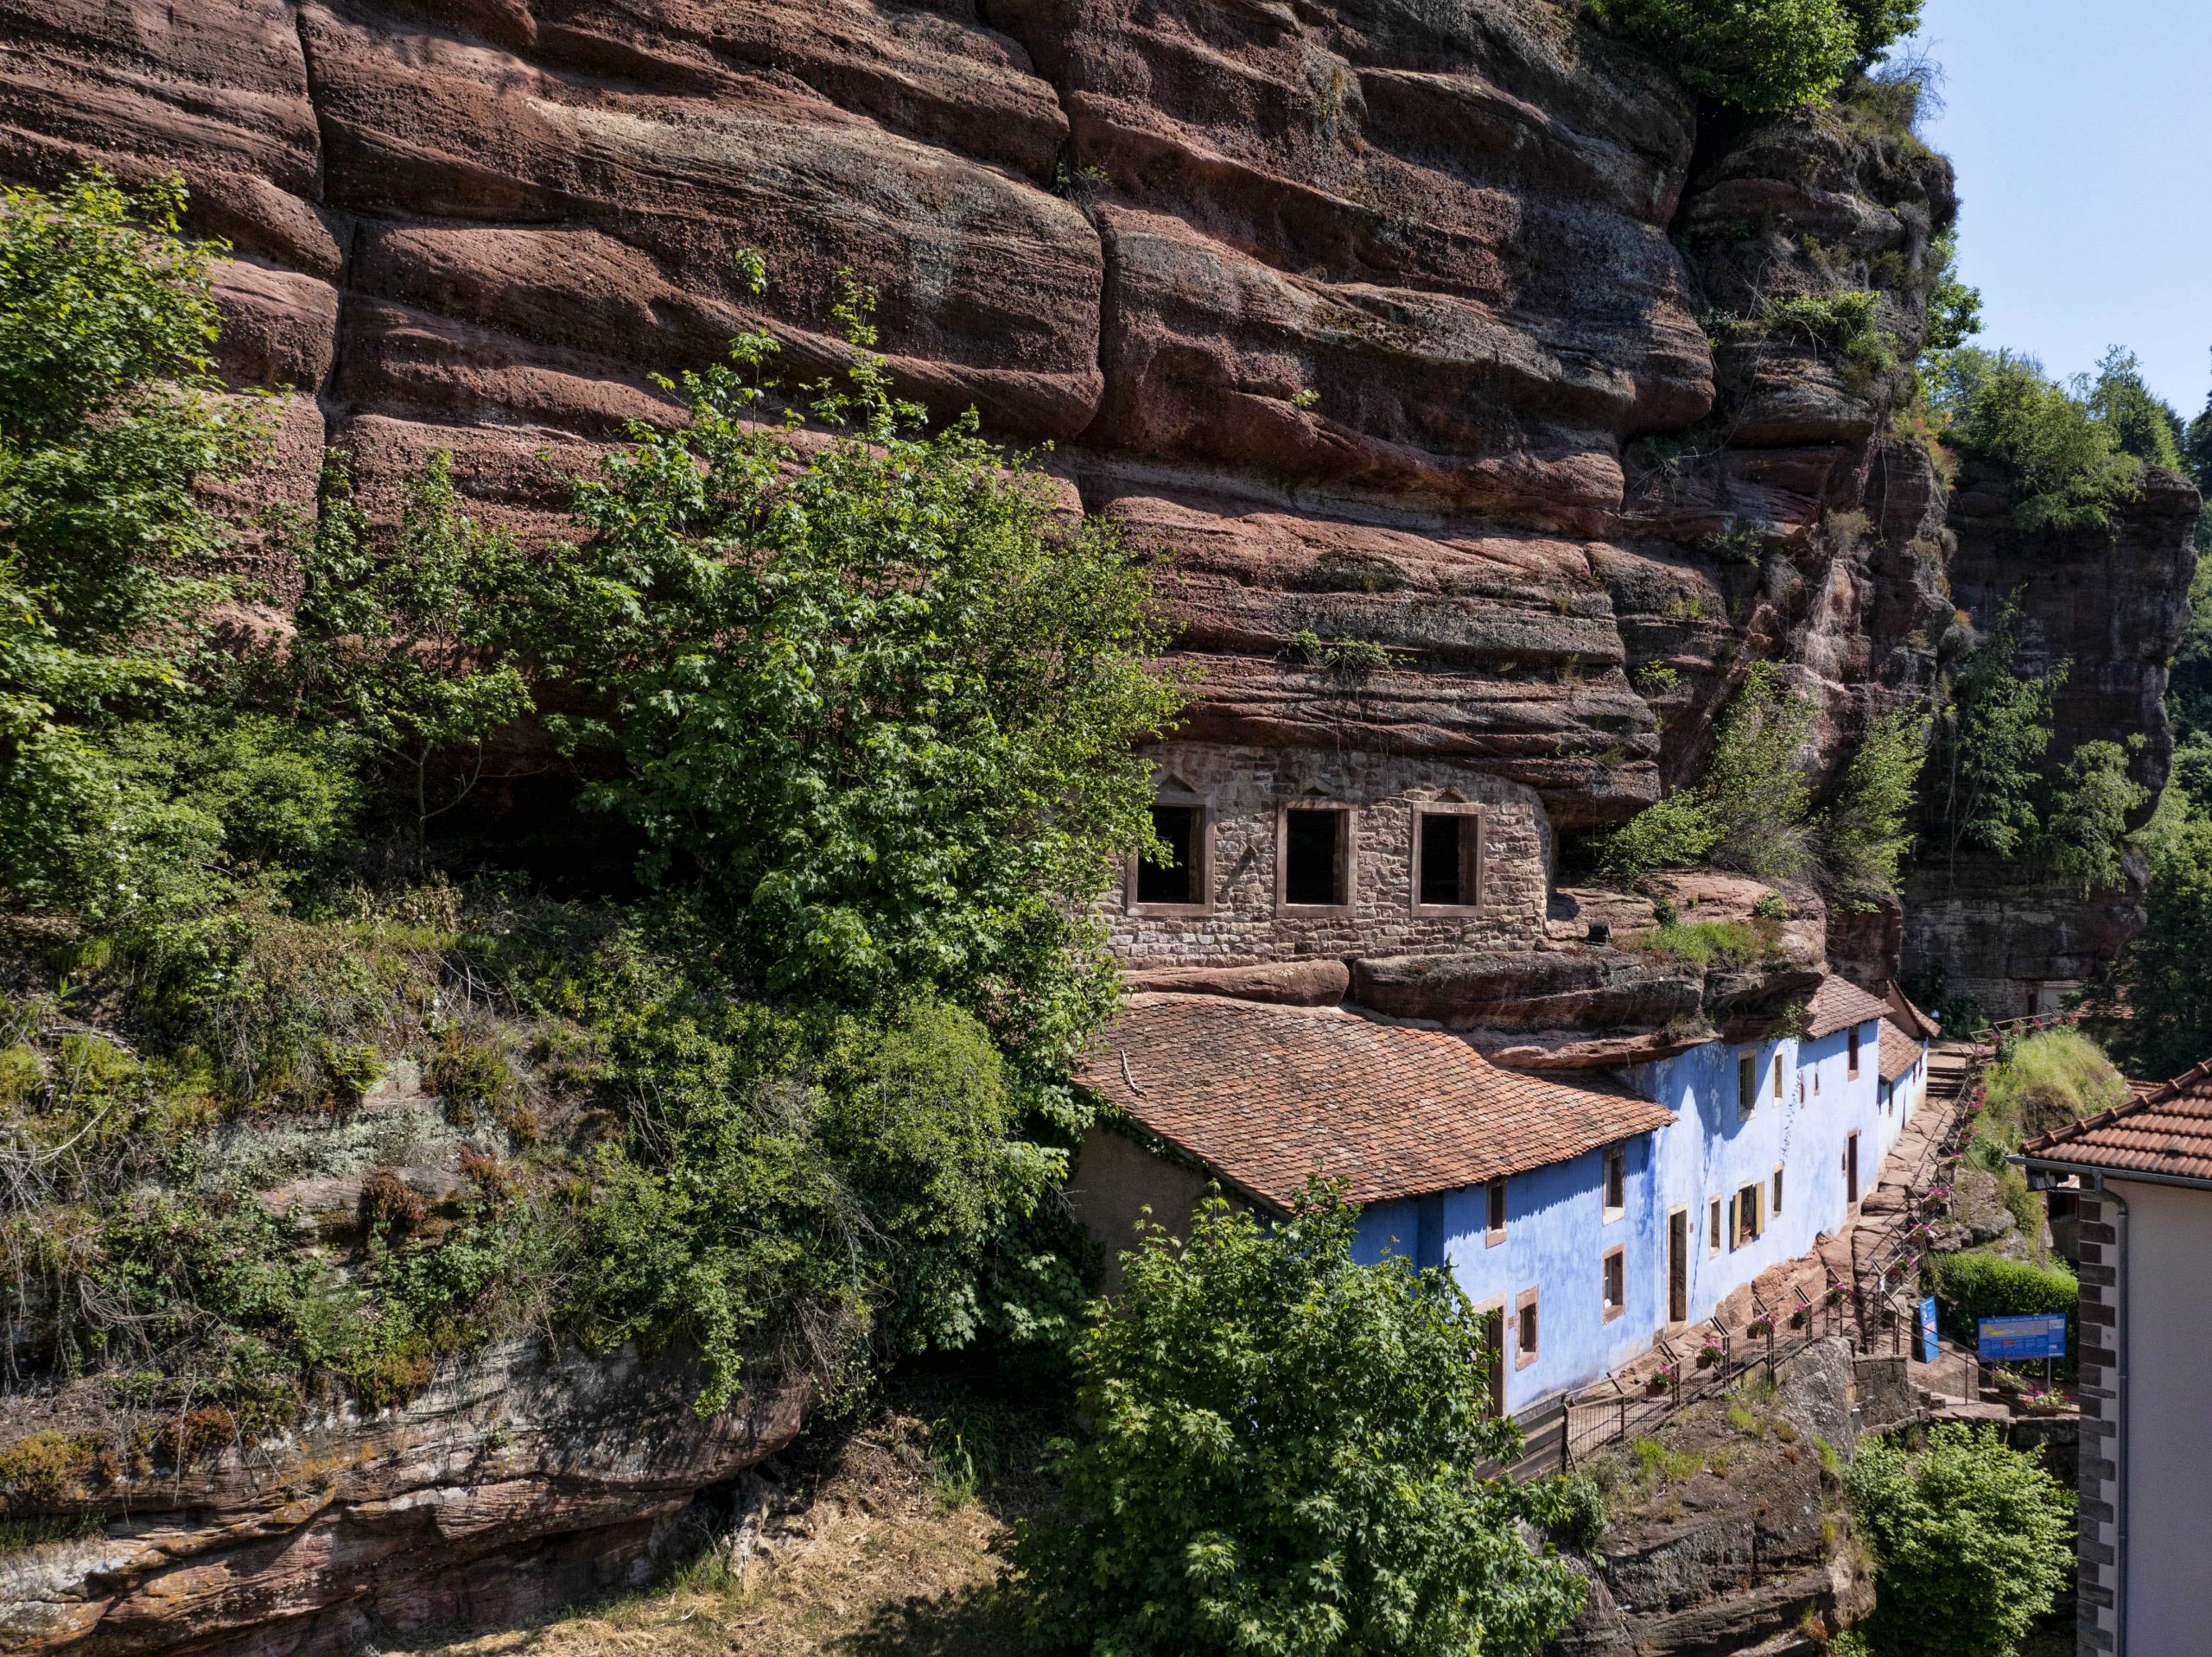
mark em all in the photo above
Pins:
pixel 1244 789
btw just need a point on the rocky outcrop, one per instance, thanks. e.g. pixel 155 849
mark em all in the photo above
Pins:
pixel 1731 1542
pixel 516 1482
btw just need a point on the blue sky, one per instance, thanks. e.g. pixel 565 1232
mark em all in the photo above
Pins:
pixel 2082 135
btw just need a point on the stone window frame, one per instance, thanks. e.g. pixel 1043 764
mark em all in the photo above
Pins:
pixel 1612 1270
pixel 1528 1330
pixel 1450 807
pixel 1775 1208
pixel 1612 1159
pixel 1495 1207
pixel 1713 1232
pixel 1347 855
pixel 1173 791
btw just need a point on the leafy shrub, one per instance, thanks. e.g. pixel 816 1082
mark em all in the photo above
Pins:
pixel 1971 1287
pixel 2154 1009
pixel 1987 779
pixel 1763 54
pixel 1864 833
pixel 2085 827
pixel 1570 1507
pixel 1280 1454
pixel 1972 1541
pixel 2071 469
pixel 1747 811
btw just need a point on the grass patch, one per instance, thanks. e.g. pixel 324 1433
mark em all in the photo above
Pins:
pixel 1706 943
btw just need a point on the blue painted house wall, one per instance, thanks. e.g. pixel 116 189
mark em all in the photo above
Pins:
pixel 1557 1231
pixel 1714 1151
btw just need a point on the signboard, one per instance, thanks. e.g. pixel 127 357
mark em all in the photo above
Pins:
pixel 2007 1338
pixel 1927 1347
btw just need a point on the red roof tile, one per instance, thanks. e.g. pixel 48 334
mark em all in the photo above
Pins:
pixel 1837 1005
pixel 2166 1133
pixel 1900 1053
pixel 1267 1096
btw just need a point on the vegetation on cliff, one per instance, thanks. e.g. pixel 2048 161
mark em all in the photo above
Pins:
pixel 1763 56
pixel 783 1086
pixel 1972 1540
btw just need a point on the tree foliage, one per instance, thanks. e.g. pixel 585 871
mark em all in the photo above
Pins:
pixel 1972 1541
pixel 1281 1456
pixel 109 415
pixel 1763 55
pixel 2072 469
pixel 1994 739
pixel 870 697
pixel 1868 827
pixel 1747 810
pixel 2154 1009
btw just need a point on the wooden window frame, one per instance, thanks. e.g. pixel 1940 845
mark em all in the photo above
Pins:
pixel 1495 1207
pixel 1776 1204
pixel 1613 1259
pixel 1477 855
pixel 1202 849
pixel 1347 858
pixel 1612 1158
pixel 1778 1076
pixel 1529 1315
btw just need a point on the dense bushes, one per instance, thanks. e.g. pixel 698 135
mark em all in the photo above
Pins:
pixel 1972 1540
pixel 1971 1287
pixel 2072 468
pixel 1750 810
pixel 1763 54
pixel 871 709
pixel 1281 1456
pixel 2154 1009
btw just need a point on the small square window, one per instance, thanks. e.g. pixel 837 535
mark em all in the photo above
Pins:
pixel 1525 1330
pixel 1316 870
pixel 1448 857
pixel 1616 1283
pixel 1496 1216
pixel 1616 1182
pixel 1173 877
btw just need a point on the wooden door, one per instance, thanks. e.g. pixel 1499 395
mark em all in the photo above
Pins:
pixel 1678 1266
pixel 1490 1349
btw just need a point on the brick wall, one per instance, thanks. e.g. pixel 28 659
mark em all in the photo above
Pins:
pixel 2098 1481
pixel 1244 789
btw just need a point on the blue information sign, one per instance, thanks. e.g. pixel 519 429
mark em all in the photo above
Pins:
pixel 1927 1347
pixel 2041 1336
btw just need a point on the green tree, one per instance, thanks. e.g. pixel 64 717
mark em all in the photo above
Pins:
pixel 403 646
pixel 1954 309
pixel 2085 825
pixel 1760 55
pixel 110 416
pixel 2071 470
pixel 874 698
pixel 1280 1457
pixel 1994 735
pixel 1972 1541
pixel 2141 422
pixel 2154 1010
pixel 1747 809
pixel 1867 828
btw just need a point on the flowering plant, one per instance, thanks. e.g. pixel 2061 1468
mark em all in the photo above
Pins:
pixel 1797 1318
pixel 1708 1355
pixel 1656 1384
pixel 1759 1328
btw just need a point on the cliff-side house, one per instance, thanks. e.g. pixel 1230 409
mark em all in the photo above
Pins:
pixel 1623 1190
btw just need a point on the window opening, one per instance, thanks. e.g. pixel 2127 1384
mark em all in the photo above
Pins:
pixel 1777 1191
pixel 1616 1283
pixel 1713 1247
pixel 1616 1181
pixel 1747 1084
pixel 1496 1210
pixel 1314 850
pixel 1854 1052
pixel 1173 877
pixel 1451 859
pixel 1528 1328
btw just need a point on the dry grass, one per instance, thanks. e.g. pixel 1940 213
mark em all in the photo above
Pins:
pixel 874 1562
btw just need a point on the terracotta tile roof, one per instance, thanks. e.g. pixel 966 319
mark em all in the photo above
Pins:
pixel 1916 1024
pixel 1266 1095
pixel 2166 1133
pixel 1900 1053
pixel 1837 1005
